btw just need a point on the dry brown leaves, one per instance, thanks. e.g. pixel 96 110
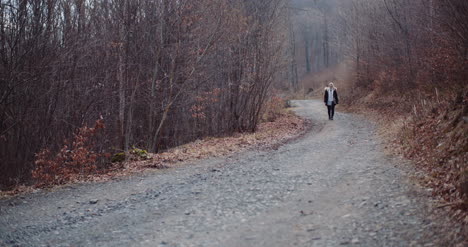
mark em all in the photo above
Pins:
pixel 438 144
pixel 268 135
pixel 435 138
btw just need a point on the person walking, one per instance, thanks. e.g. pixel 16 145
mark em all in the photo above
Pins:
pixel 331 99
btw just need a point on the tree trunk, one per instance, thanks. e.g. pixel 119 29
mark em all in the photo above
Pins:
pixel 121 79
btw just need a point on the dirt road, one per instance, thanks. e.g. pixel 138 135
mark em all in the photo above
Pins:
pixel 334 186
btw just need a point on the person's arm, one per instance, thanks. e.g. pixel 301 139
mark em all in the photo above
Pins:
pixel 336 97
pixel 325 97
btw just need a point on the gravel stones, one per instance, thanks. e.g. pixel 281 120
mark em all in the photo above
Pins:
pixel 334 186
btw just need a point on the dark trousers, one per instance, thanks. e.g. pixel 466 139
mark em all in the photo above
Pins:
pixel 331 111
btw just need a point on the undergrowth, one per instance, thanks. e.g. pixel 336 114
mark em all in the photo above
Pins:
pixel 76 159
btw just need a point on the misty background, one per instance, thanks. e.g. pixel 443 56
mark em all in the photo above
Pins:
pixel 159 74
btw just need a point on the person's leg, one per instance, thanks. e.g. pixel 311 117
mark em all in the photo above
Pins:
pixel 329 111
pixel 332 111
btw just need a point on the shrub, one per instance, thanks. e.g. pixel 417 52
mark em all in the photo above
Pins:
pixel 274 108
pixel 71 162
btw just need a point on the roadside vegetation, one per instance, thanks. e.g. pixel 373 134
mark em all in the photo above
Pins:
pixel 75 162
pixel 83 83
pixel 404 64
pixel 93 88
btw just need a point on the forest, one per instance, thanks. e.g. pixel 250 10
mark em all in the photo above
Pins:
pixel 403 63
pixel 83 80
pixel 156 74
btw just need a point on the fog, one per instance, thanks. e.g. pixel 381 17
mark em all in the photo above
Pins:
pixel 392 43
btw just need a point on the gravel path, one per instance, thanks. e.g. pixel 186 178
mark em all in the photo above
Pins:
pixel 334 186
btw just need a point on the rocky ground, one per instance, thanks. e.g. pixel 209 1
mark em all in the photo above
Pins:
pixel 334 186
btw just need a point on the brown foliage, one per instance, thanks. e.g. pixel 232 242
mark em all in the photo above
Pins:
pixel 72 162
pixel 274 108
pixel 437 139
pixel 410 62
pixel 163 73
pixel 433 133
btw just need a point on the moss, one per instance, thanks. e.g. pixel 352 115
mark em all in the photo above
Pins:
pixel 140 153
pixel 118 157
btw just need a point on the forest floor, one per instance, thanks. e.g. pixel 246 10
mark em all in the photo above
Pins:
pixel 333 186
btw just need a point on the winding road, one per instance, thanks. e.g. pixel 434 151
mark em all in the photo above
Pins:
pixel 334 186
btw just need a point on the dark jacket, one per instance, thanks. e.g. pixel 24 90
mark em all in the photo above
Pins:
pixel 335 96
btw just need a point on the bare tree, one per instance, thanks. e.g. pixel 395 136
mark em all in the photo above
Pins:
pixel 159 73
